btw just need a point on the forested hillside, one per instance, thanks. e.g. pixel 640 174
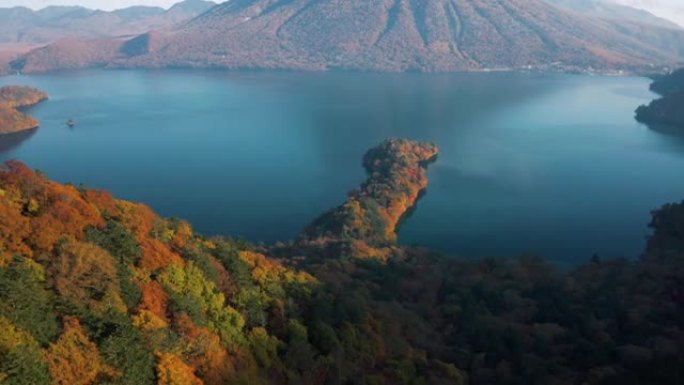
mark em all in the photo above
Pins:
pixel 668 110
pixel 11 100
pixel 95 290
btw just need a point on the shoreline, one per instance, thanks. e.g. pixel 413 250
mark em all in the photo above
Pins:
pixel 14 103
pixel 647 72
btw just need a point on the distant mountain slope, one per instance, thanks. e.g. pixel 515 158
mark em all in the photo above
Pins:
pixel 192 7
pixel 9 52
pixel 23 25
pixel 396 35
pixel 609 10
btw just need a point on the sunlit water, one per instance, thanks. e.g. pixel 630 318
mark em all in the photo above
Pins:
pixel 552 165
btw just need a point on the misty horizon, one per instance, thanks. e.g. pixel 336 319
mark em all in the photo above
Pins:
pixel 672 10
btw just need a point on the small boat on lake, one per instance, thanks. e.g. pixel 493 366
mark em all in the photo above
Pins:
pixel 71 123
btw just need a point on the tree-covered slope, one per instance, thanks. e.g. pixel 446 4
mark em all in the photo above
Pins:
pixel 13 98
pixel 393 35
pixel 95 290
pixel 668 110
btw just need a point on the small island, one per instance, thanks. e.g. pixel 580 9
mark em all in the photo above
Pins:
pixel 367 222
pixel 669 109
pixel 12 100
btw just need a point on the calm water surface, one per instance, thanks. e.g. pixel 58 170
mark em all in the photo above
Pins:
pixel 553 165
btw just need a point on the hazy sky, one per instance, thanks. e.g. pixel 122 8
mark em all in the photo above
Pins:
pixel 99 4
pixel 671 9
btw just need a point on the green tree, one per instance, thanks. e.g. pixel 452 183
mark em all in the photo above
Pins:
pixel 25 301
pixel 21 360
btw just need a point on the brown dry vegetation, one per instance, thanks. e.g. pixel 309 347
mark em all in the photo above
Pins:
pixel 388 35
pixel 9 52
pixel 13 98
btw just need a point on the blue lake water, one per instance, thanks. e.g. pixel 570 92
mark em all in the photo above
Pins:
pixel 552 165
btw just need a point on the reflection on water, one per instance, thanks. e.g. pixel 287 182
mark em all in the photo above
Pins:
pixel 9 142
pixel 673 134
pixel 546 164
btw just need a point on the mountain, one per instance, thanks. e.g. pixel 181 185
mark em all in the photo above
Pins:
pixel 398 35
pixel 22 25
pixel 96 290
pixel 609 10
pixel 22 29
pixel 9 52
pixel 196 7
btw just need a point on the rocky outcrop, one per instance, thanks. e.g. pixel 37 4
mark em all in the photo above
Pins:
pixel 13 98
pixel 372 213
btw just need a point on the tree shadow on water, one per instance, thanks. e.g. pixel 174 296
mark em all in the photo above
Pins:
pixel 674 133
pixel 411 210
pixel 9 142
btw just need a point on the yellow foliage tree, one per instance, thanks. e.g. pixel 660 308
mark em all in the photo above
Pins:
pixel 148 321
pixel 74 360
pixel 86 274
pixel 11 336
pixel 171 370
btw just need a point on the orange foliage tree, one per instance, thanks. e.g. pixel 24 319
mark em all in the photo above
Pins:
pixel 86 274
pixel 171 370
pixel 203 350
pixel 75 360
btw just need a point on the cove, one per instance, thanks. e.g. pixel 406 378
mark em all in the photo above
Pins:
pixel 546 164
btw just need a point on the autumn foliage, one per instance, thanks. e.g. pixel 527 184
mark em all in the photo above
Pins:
pixel 367 223
pixel 171 370
pixel 89 281
pixel 11 99
pixel 75 360
pixel 94 290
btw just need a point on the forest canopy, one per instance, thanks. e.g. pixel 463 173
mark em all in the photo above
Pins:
pixel 96 290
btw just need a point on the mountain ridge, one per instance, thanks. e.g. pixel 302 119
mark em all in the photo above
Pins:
pixel 399 35
pixel 23 30
pixel 611 10
pixel 46 25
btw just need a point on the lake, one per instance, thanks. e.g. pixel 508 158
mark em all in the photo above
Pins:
pixel 545 164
